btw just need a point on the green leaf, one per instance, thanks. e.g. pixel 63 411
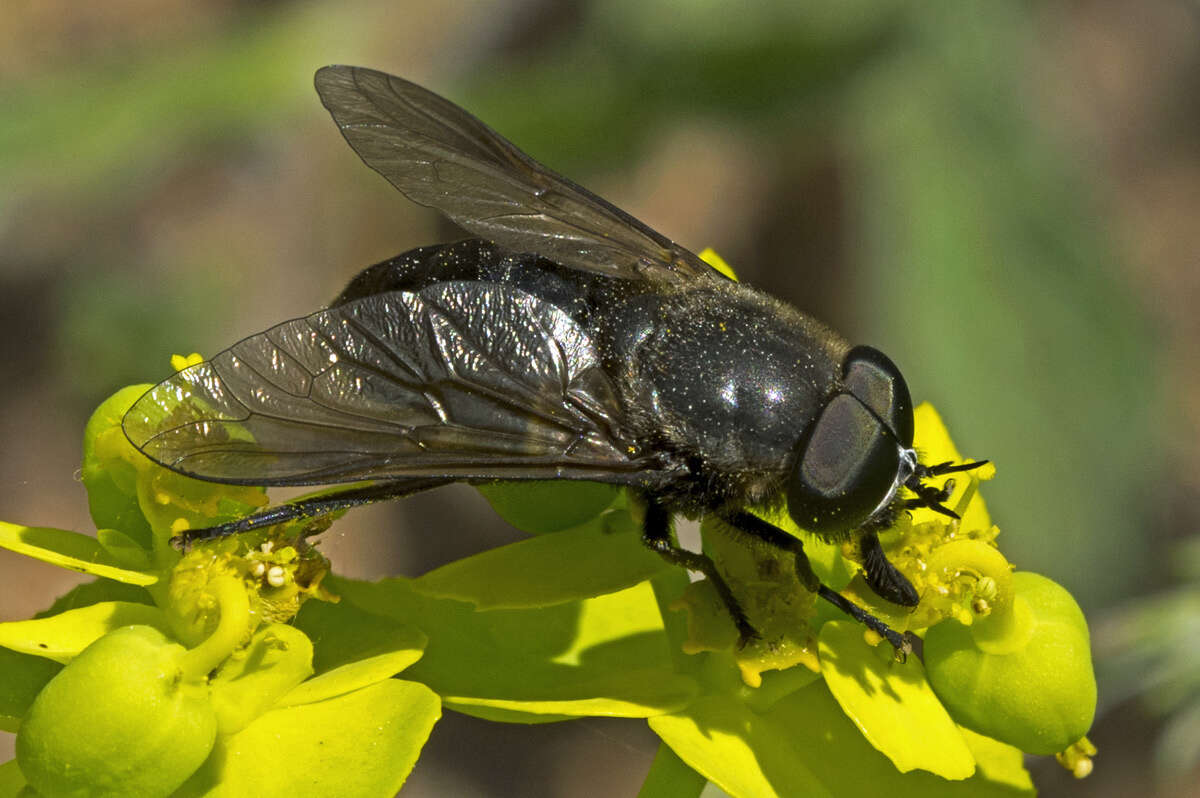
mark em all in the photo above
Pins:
pixel 997 762
pixel 548 506
pixel 12 783
pixel 578 563
pixel 670 777
pixel 353 649
pixel 892 703
pixel 827 743
pixel 22 676
pixel 669 587
pixel 641 692
pixel 278 658
pixel 110 480
pixel 540 664
pixel 95 592
pixel 745 754
pixel 343 634
pixel 61 637
pixel 350 677
pixel 69 550
pixel 124 550
pixel 363 743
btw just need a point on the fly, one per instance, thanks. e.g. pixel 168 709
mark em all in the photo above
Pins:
pixel 567 340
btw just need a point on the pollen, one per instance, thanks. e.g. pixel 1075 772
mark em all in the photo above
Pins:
pixel 276 576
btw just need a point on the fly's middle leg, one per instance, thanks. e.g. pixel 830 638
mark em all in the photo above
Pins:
pixel 656 534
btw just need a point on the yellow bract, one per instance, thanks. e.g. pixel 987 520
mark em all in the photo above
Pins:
pixel 709 256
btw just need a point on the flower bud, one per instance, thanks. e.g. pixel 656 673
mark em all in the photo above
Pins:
pixel 1023 676
pixel 122 718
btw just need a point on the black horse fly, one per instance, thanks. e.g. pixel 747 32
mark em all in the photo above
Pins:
pixel 567 341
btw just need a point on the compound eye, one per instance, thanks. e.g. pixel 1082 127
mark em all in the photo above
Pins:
pixel 878 384
pixel 846 465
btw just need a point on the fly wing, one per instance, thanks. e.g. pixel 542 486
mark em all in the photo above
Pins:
pixel 459 380
pixel 439 155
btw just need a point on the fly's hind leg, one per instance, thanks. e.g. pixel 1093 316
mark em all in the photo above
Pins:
pixel 309 508
pixel 656 534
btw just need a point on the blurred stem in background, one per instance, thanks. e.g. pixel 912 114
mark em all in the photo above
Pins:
pixel 1150 649
pixel 1024 327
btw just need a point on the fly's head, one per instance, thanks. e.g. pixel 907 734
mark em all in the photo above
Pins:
pixel 852 460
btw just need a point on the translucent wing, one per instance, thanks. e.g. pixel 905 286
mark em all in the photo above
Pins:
pixel 439 155
pixel 459 380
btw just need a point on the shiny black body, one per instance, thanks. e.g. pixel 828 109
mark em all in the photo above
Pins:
pixel 567 341
pixel 713 379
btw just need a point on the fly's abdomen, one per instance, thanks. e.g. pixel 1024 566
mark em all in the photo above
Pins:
pixel 475 260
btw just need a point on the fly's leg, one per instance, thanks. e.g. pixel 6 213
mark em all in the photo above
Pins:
pixel 930 496
pixel 656 534
pixel 309 508
pixel 887 582
pixel 901 645
pixel 773 536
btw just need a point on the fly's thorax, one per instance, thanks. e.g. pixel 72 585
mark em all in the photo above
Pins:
pixel 728 376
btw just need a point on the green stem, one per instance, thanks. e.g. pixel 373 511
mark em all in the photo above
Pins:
pixel 232 625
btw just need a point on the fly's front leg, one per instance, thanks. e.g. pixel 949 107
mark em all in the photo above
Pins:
pixel 769 533
pixel 656 534
pixel 883 577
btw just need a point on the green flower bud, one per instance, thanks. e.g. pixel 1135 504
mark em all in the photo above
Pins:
pixel 1022 676
pixel 122 719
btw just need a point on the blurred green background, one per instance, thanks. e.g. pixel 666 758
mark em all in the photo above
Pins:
pixel 1004 197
